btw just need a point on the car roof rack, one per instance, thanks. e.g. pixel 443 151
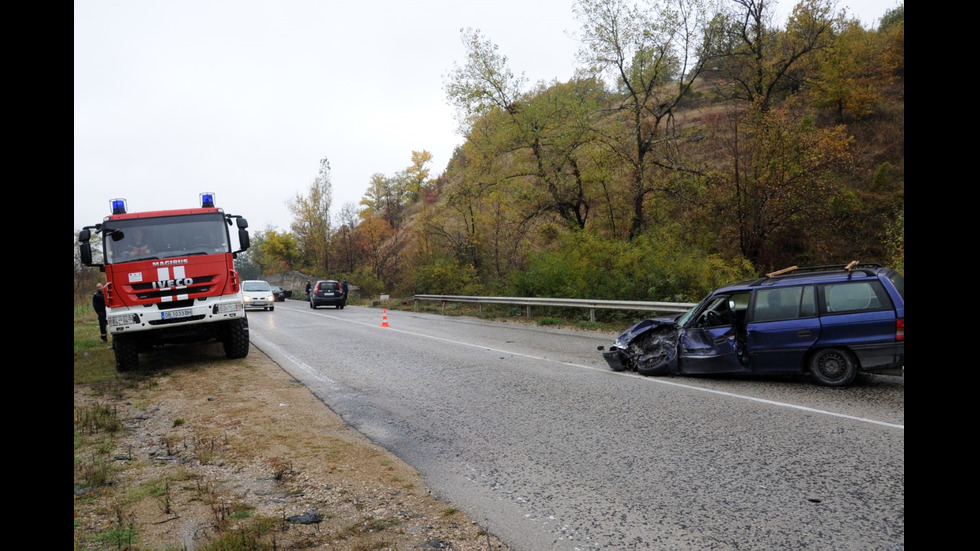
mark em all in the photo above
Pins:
pixel 867 268
pixel 854 264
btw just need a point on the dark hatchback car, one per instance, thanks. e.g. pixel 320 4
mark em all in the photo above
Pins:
pixel 327 293
pixel 281 294
pixel 829 321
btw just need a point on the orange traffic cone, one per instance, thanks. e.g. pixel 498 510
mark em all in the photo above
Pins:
pixel 384 318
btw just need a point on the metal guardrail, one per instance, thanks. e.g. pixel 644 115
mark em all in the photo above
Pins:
pixel 592 305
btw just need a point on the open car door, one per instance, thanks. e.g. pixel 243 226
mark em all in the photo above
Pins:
pixel 709 343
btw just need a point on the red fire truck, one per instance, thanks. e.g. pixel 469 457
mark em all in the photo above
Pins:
pixel 170 278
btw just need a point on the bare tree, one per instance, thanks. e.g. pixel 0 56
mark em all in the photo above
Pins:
pixel 85 276
pixel 345 246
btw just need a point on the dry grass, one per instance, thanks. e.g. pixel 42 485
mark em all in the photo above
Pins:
pixel 194 451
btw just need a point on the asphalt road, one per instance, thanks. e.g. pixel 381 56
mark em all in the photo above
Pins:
pixel 527 430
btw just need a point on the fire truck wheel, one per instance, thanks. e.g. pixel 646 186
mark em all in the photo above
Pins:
pixel 127 353
pixel 236 341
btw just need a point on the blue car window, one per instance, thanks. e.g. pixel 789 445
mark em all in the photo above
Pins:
pixel 778 304
pixel 853 296
pixel 808 306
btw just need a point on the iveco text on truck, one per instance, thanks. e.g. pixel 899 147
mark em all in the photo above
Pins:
pixel 170 278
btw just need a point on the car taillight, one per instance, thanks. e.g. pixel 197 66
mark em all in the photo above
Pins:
pixel 900 329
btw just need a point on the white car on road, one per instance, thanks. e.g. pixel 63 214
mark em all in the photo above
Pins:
pixel 258 294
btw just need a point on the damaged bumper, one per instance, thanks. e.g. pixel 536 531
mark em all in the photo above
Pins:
pixel 649 348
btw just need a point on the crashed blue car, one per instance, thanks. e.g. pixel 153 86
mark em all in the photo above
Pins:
pixel 831 322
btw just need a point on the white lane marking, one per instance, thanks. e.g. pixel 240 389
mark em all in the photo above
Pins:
pixel 651 380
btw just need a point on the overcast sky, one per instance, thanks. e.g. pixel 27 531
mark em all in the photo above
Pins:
pixel 243 98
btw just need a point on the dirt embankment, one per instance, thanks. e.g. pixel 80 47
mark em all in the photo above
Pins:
pixel 215 449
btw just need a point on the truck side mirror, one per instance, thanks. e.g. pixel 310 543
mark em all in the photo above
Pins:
pixel 243 242
pixel 85 252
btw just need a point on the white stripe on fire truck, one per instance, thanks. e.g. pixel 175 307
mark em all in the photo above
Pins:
pixel 179 275
pixel 163 274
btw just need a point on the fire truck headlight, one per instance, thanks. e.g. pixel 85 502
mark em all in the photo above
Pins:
pixel 226 307
pixel 124 319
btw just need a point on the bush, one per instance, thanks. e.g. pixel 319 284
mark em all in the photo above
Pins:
pixel 654 267
pixel 446 277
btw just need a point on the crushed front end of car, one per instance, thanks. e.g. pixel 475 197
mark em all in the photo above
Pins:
pixel 648 348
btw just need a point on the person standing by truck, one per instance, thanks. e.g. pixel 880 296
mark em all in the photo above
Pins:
pixel 98 304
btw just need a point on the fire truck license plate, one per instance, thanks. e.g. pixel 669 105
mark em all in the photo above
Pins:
pixel 174 314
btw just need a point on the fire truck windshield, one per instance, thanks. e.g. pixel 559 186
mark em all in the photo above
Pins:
pixel 165 237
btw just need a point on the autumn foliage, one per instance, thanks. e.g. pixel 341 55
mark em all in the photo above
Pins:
pixel 691 149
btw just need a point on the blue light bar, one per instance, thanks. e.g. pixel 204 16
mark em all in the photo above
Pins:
pixel 117 206
pixel 207 200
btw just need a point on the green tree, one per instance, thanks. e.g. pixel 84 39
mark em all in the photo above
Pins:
pixel 456 230
pixel 896 237
pixel 383 199
pixel 892 26
pixel 779 180
pixel 532 134
pixel 481 223
pixel 311 221
pixel 250 263
pixel 483 83
pixel 381 247
pixel 851 73
pixel 553 129
pixel 759 60
pixel 528 165
pixel 892 17
pixel 246 268
pixel 271 251
pixel 395 195
pixel 416 179
pixel 653 52
pixel 279 251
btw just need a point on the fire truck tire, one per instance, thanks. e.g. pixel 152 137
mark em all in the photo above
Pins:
pixel 127 353
pixel 236 341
